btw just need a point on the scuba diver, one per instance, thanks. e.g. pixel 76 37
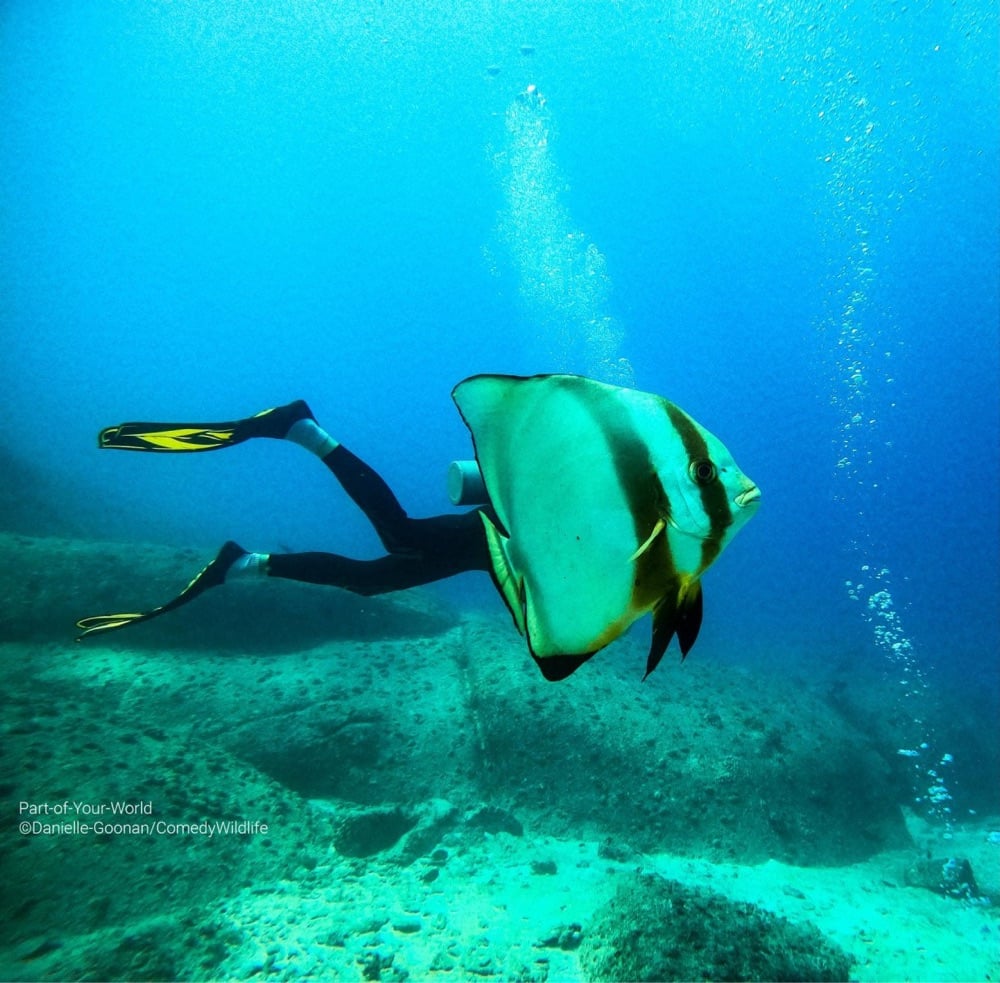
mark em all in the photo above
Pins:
pixel 418 551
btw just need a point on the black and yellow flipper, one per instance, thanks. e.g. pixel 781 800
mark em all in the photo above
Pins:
pixel 210 576
pixel 184 437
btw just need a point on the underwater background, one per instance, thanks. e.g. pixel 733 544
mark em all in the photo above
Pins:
pixel 781 216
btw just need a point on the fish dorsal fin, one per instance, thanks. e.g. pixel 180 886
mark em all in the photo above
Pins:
pixel 657 529
pixel 680 616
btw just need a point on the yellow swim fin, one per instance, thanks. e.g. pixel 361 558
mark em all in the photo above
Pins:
pixel 210 576
pixel 203 436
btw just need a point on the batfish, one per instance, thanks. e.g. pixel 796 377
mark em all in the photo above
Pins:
pixel 610 505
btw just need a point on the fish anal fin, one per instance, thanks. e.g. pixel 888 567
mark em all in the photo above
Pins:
pixel 689 613
pixel 681 617
pixel 664 618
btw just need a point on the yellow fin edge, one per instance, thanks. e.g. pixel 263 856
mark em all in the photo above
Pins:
pixel 509 583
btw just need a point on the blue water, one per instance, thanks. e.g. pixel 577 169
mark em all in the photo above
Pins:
pixel 783 218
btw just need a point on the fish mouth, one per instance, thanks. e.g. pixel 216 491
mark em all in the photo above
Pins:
pixel 750 497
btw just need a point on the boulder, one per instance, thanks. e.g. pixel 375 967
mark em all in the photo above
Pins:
pixel 659 929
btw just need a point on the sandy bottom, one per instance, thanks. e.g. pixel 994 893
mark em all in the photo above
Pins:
pixel 491 913
pixel 410 728
pixel 500 906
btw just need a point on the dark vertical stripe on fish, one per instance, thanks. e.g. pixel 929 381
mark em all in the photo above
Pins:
pixel 713 495
pixel 629 454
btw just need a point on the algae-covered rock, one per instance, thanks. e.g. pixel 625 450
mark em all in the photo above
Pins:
pixel 706 759
pixel 951 876
pixel 658 929
pixel 57 581
pixel 401 834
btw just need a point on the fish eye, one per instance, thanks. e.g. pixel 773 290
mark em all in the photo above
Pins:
pixel 702 472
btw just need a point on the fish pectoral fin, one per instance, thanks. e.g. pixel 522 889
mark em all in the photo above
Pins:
pixel 657 529
pixel 680 615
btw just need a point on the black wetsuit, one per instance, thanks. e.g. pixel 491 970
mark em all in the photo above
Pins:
pixel 418 550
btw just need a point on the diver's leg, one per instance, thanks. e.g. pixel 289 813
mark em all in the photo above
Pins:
pixel 372 495
pixel 365 486
pixel 449 545
pixel 395 571
pixel 294 422
pixel 444 546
